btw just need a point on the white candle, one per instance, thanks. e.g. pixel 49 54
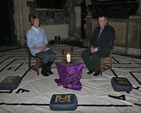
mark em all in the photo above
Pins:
pixel 68 56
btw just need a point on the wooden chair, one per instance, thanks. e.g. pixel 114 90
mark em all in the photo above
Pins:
pixel 36 66
pixel 103 66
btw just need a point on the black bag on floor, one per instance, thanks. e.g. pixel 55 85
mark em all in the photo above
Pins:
pixel 121 84
pixel 10 83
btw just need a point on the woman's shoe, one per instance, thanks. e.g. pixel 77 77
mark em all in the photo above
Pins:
pixel 44 70
pixel 44 73
pixel 49 67
pixel 49 70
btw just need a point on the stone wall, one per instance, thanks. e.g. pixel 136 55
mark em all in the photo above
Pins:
pixel 128 31
pixel 24 9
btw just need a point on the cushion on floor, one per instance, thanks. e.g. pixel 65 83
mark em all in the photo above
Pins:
pixel 10 83
pixel 64 102
pixel 121 84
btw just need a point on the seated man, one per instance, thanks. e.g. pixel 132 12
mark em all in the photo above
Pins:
pixel 101 43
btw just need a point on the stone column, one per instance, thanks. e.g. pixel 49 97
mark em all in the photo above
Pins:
pixel 18 20
pixel 21 20
pixel 88 2
pixel 139 10
pixel 77 26
pixel 71 16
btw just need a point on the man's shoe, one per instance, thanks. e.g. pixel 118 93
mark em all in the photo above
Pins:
pixel 96 73
pixel 90 71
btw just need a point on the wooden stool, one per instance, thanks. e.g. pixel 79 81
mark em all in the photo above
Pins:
pixel 103 66
pixel 36 66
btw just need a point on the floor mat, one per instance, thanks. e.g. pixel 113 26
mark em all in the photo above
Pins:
pixel 35 91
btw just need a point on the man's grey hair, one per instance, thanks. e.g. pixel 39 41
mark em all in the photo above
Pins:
pixel 105 17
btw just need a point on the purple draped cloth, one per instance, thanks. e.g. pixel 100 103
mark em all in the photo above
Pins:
pixel 69 74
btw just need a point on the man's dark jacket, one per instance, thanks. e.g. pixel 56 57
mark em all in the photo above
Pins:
pixel 106 38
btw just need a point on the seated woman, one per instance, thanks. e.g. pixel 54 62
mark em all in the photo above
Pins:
pixel 38 45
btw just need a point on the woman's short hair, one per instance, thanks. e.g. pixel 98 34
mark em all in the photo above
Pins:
pixel 33 18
